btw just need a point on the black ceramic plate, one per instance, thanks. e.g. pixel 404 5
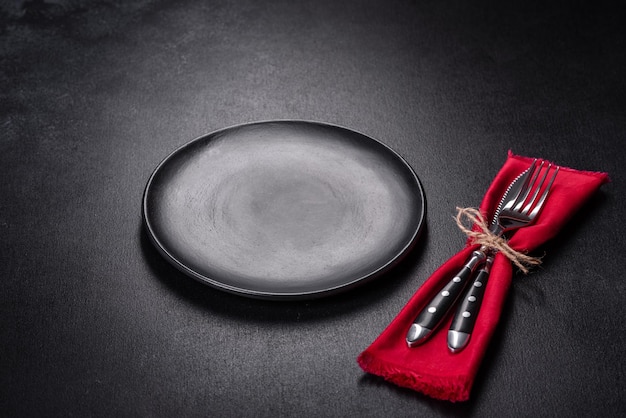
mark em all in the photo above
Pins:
pixel 283 209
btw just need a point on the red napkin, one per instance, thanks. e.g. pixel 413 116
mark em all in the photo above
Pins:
pixel 431 368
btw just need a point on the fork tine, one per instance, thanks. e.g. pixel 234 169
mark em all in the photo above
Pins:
pixel 537 188
pixel 519 202
pixel 543 196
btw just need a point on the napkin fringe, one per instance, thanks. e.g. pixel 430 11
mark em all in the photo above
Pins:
pixel 449 388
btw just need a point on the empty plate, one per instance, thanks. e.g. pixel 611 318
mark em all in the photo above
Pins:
pixel 283 209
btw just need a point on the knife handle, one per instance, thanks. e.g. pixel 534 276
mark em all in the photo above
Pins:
pixel 437 309
pixel 467 311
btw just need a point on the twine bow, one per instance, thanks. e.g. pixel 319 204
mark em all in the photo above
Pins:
pixel 491 241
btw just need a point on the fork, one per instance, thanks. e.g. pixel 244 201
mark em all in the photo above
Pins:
pixel 512 213
pixel 520 211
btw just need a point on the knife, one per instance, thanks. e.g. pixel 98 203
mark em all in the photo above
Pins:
pixel 467 311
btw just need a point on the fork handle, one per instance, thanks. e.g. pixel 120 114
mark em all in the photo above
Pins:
pixel 437 309
pixel 467 311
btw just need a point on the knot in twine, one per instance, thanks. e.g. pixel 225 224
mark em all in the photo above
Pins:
pixel 493 242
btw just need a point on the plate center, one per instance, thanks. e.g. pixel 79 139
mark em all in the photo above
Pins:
pixel 301 210
pixel 285 208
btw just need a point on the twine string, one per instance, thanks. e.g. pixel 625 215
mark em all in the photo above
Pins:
pixel 489 240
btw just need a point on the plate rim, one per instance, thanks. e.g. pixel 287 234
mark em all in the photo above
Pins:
pixel 313 294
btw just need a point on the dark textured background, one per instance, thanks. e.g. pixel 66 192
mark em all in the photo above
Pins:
pixel 93 94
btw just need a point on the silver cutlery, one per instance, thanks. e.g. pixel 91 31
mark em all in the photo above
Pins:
pixel 514 211
pixel 520 212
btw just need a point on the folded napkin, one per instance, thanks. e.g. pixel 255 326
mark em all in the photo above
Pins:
pixel 431 368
